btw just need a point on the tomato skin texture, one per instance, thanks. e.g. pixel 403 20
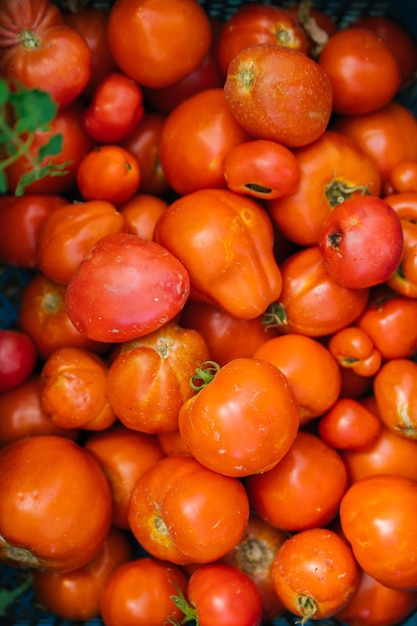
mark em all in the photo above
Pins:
pixel 236 235
pixel 36 45
pixel 249 406
pixel 138 286
pixel 136 29
pixel 185 513
pixel 264 92
pixel 315 573
pixel 222 594
pixel 395 390
pixel 18 357
pixel 353 58
pixel 377 518
pixel 42 513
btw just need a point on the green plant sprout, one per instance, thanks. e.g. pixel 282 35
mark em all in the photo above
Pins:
pixel 24 111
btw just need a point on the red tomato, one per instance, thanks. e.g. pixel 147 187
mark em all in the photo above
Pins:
pixel 115 110
pixel 353 349
pixel 136 29
pixel 279 495
pixel 243 421
pixel 315 573
pixel 403 177
pixel 349 426
pixel 377 518
pixel 125 288
pixel 182 512
pixel 50 484
pixel 395 390
pixel 353 59
pixel 18 356
pixel 279 94
pixel 141 213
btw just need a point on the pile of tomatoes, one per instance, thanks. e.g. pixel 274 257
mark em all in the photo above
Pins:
pixel 208 402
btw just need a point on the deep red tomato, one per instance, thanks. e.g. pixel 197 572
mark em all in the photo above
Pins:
pixel 18 356
pixel 125 288
pixel 279 94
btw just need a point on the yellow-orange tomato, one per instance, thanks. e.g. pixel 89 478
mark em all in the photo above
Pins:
pixel 395 389
pixel 141 213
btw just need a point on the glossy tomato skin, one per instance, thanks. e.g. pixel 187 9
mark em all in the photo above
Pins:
pixel 377 518
pixel 43 513
pixel 279 94
pixel 242 422
pixel 354 350
pixel 348 425
pixel 36 45
pixel 125 288
pixel 141 213
pixel 395 390
pixel 185 513
pixel 18 357
pixel 136 29
pixel 236 235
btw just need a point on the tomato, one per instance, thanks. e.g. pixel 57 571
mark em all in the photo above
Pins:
pixel 183 512
pixel 41 51
pixel 115 110
pixel 403 176
pixel 333 168
pixel 300 492
pixel 18 357
pixel 21 220
pixel 52 482
pixel 243 421
pixel 261 169
pixel 75 146
pixel 149 379
pixel 315 573
pixel 258 23
pixel 139 592
pixel 173 444
pixel 221 594
pixel 388 135
pixel 348 425
pixel 373 604
pixel 136 29
pixel 229 236
pixel 141 213
pixel 377 518
pixel 195 138
pixel 43 316
pixel 21 414
pixel 69 233
pixel 395 389
pixel 404 279
pixel 353 348
pixel 75 595
pixel 125 288
pixel 353 59
pixel 254 555
pixel 110 173
pixel 317 24
pixel 310 368
pixel 279 94
pixel 91 23
pixel 311 303
pixel 123 455
pixel 361 242
pixel 73 390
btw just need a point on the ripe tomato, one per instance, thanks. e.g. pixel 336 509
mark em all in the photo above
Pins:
pixel 195 138
pixel 315 573
pixel 353 349
pixel 125 288
pixel 403 177
pixel 395 389
pixel 377 518
pixel 278 496
pixel 139 593
pixel 353 59
pixel 41 51
pixel 348 425
pixel 110 173
pixel 50 483
pixel 173 444
pixel 75 595
pixel 18 357
pixel 243 421
pixel 317 24
pixel 69 233
pixel 183 512
pixel 136 29
pixel 279 94
pixel 141 213
pixel 149 379
pixel 123 455
pixel 235 233
pixel 310 368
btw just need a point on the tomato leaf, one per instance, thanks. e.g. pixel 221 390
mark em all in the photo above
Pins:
pixel 51 148
pixel 8 596
pixel 34 109
pixel 3 182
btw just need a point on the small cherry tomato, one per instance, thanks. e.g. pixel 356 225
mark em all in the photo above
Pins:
pixel 348 425
pixel 18 356
pixel 403 177
pixel 141 213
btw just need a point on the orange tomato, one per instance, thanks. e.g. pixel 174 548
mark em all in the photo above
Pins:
pixel 141 213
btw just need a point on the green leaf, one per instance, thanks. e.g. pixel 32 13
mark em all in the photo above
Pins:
pixel 34 109
pixel 4 92
pixel 51 169
pixel 51 148
pixel 7 597
pixel 3 182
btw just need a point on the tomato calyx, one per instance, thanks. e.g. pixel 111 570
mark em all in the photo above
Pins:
pixel 317 35
pixel 306 607
pixel 204 375
pixel 338 191
pixel 190 613
pixel 29 40
pixel 274 316
pixel 254 555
